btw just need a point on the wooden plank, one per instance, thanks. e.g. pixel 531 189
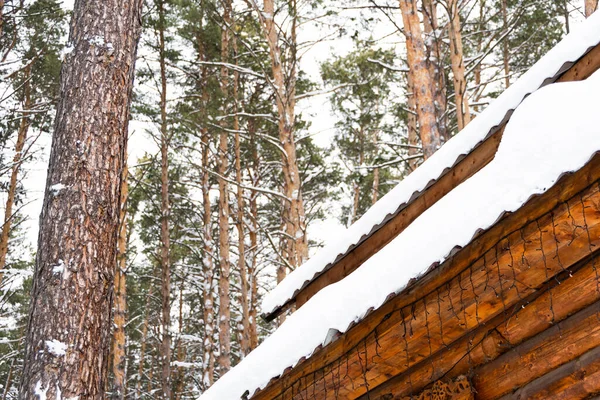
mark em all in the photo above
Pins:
pixel 577 379
pixel 543 353
pixel 564 296
pixel 472 163
pixel 390 328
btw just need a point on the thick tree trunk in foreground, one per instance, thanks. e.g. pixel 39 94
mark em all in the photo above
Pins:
pixel 12 185
pixel 411 123
pixel 224 359
pixel 68 335
pixel 421 78
pixel 463 115
pixel 120 308
pixel 165 236
pixel 295 242
pixel 590 7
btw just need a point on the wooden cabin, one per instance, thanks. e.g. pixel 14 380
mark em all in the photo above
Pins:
pixel 463 282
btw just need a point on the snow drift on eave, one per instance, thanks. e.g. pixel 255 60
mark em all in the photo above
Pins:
pixel 554 131
pixel 569 50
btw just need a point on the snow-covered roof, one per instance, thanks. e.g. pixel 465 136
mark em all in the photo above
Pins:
pixel 554 131
pixel 560 58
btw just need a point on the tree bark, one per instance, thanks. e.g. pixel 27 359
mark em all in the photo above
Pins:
pixel 463 115
pixel 165 241
pixel 120 308
pixel 144 340
pixel 413 134
pixel 243 271
pixel 68 336
pixel 590 7
pixel 224 359
pixel 253 251
pixel 421 78
pixel 505 49
pixel 436 68
pixel 294 242
pixel 17 159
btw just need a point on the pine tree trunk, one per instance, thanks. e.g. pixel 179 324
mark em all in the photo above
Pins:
pixel 207 259
pixel 165 244
pixel 144 340
pixel 245 326
pixel 436 68
pixel 181 353
pixel 253 239
pixel 12 185
pixel 68 336
pixel 505 49
pixel 120 308
pixel 421 78
pixel 413 134
pixel 222 165
pixel 590 7
pixel 295 242
pixel 463 115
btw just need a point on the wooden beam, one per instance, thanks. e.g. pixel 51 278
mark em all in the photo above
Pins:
pixel 540 355
pixel 560 298
pixel 577 379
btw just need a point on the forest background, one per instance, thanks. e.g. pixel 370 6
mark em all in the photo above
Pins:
pixel 260 130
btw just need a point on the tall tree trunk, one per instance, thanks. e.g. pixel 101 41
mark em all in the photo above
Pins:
pixel 436 67
pixel 413 134
pixel 463 115
pixel 222 164
pixel 181 353
pixel 295 242
pixel 252 270
pixel 120 308
pixel 68 335
pixel 165 244
pixel 208 256
pixel 590 7
pixel 17 159
pixel 421 78
pixel 245 326
pixel 505 49
pixel 144 341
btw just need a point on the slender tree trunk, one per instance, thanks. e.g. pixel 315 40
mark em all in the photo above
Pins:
pixel 505 44
pixel 222 165
pixel 463 115
pixel 413 135
pixel 68 336
pixel 165 244
pixel 144 340
pixel 120 308
pixel 295 242
pixel 252 272
pixel 181 353
pixel 590 7
pixel 245 326
pixel 9 378
pixel 17 159
pixel 436 68
pixel 1 17
pixel 207 260
pixel 421 78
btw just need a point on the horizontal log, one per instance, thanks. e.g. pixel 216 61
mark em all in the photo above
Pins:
pixel 577 379
pixel 543 353
pixel 564 296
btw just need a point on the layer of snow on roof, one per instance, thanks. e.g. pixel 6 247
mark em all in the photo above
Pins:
pixel 555 130
pixel 571 48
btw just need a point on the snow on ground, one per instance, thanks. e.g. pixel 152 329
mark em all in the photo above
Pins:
pixel 554 131
pixel 571 48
